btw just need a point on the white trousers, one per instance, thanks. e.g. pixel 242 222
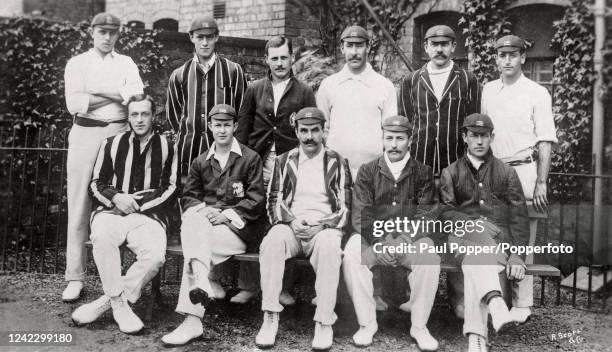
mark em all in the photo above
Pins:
pixel 522 291
pixel 358 260
pixel 144 236
pixel 325 255
pixel 480 276
pixel 83 146
pixel 209 245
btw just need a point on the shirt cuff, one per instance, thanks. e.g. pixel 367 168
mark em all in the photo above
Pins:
pixel 127 92
pixel 234 218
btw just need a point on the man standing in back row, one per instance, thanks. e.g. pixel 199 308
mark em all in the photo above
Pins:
pixel 521 110
pixel 199 84
pixel 436 99
pixel 98 83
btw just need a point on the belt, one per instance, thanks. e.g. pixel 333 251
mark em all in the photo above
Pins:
pixel 528 160
pixel 89 122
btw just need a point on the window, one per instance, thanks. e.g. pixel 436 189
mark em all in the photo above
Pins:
pixel 136 24
pixel 219 9
pixel 166 24
pixel 540 71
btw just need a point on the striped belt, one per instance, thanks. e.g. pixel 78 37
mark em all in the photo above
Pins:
pixel 89 122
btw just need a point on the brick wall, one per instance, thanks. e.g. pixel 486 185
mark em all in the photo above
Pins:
pixel 178 48
pixel 69 10
pixel 258 19
pixel 302 22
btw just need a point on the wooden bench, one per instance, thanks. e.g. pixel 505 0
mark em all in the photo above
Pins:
pixel 542 270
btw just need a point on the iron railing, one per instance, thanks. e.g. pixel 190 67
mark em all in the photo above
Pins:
pixel 33 210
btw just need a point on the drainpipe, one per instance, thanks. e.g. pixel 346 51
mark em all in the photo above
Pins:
pixel 599 11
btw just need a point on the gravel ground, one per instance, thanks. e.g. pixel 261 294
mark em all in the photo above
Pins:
pixel 32 302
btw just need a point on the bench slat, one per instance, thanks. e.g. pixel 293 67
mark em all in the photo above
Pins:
pixel 532 269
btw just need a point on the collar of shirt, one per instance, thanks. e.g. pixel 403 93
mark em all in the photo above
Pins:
pixel 500 83
pixel 476 163
pixel 234 148
pixel 438 71
pixel 396 167
pixel 304 158
pixel 109 56
pixel 208 64
pixel 345 74
pixel 137 139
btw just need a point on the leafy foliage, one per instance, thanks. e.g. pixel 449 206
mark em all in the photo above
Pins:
pixel 339 14
pixel 312 68
pixel 573 96
pixel 606 72
pixel 34 55
pixel 484 21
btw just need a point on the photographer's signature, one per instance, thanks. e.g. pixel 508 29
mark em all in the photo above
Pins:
pixel 572 336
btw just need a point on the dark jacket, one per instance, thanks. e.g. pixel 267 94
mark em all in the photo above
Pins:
pixel 436 136
pixel 239 186
pixel 493 192
pixel 378 196
pixel 338 186
pixel 259 127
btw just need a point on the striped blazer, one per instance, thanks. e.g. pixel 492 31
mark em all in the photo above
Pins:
pixel 121 167
pixel 338 186
pixel 192 94
pixel 436 131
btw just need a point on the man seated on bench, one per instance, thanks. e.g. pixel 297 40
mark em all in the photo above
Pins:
pixel 481 188
pixel 222 199
pixel 134 182
pixel 308 205
pixel 392 186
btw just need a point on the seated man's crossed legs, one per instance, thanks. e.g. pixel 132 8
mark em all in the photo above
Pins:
pixel 325 253
pixel 359 257
pixel 482 288
pixel 204 245
pixel 147 239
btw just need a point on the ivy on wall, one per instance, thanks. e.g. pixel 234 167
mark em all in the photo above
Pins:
pixel 483 22
pixel 33 56
pixel 573 95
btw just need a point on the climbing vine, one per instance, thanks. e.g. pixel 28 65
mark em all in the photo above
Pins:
pixel 483 22
pixel 573 95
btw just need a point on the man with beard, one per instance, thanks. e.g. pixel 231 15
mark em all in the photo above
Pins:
pixel 436 99
pixel 522 111
pixel 98 84
pixel 264 125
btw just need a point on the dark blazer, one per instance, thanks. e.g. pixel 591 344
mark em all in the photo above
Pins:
pixel 378 196
pixel 493 191
pixel 259 127
pixel 239 186
pixel 436 136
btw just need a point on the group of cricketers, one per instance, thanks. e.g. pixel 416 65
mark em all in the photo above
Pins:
pixel 271 167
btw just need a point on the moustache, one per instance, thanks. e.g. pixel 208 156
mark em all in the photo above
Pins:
pixel 354 58
pixel 441 56
pixel 310 142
